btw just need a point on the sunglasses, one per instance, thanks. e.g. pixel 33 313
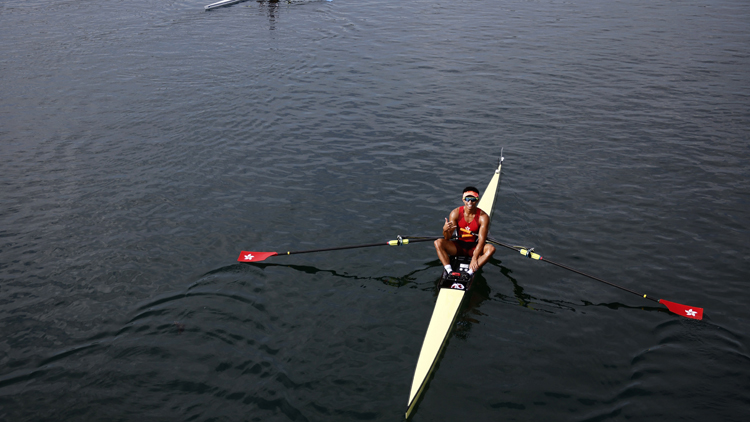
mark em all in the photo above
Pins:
pixel 470 199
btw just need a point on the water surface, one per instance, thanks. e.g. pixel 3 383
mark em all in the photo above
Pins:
pixel 145 145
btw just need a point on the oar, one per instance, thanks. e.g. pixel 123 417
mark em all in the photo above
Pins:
pixel 246 256
pixel 677 308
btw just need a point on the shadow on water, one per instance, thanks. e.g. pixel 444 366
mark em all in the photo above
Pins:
pixel 272 9
pixel 393 281
pixel 479 292
pixel 523 299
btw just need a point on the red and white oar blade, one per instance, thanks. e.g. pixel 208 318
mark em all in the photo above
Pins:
pixel 684 310
pixel 246 256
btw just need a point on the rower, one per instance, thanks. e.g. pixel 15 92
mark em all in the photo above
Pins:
pixel 471 225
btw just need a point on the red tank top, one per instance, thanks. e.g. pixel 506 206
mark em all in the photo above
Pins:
pixel 465 228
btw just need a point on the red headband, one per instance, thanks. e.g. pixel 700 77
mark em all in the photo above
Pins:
pixel 470 192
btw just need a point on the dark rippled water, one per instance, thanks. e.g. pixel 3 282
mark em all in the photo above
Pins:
pixel 145 144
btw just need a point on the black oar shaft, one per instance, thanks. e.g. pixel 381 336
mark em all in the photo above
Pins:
pixel 369 245
pixel 598 279
pixel 516 248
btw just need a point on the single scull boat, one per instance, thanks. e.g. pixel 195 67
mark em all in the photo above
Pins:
pixel 449 301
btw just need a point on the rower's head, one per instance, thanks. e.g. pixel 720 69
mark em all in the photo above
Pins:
pixel 470 195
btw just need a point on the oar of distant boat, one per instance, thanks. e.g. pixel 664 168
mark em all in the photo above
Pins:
pixel 221 3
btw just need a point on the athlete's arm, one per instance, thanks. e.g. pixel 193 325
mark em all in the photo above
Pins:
pixel 450 224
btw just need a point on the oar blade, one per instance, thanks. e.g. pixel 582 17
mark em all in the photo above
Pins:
pixel 246 256
pixel 684 310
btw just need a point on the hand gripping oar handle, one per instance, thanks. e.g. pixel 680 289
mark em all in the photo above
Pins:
pixel 679 309
pixel 247 256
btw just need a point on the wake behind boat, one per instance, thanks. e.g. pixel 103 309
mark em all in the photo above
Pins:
pixel 453 288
